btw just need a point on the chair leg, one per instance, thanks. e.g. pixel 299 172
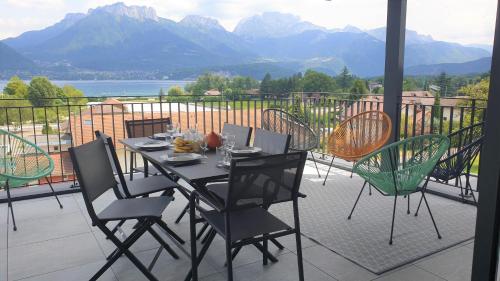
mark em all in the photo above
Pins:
pixel 327 173
pixel 202 230
pixel 462 195
pixel 195 261
pixel 357 199
pixel 192 233
pixel 54 193
pixel 298 240
pixel 184 211
pixel 265 252
pixel 131 174
pixel 468 186
pixel 408 209
pixel 163 243
pixel 170 232
pixel 123 248
pixel 315 164
pixel 430 213
pixel 393 215
pixel 265 246
pixel 9 205
pixel 277 243
pixel 424 187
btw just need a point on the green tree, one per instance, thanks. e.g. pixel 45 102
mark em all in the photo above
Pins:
pixel 47 129
pixel 344 79
pixel 73 95
pixel 443 81
pixel 42 92
pixel 175 91
pixel 478 92
pixel 16 87
pixel 265 84
pixel 358 88
pixel 314 81
pixel 410 84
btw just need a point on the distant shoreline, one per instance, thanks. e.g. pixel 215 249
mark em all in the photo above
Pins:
pixel 117 88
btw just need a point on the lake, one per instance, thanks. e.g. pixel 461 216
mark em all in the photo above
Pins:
pixel 95 88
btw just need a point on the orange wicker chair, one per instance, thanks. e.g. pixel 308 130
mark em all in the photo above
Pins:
pixel 359 136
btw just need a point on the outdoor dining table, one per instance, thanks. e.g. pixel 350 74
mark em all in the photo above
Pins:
pixel 196 175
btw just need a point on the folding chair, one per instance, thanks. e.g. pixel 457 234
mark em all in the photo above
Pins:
pixel 95 175
pixel 141 187
pixel 144 128
pixel 242 219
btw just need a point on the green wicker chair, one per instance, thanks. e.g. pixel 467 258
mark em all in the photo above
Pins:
pixel 22 162
pixel 398 169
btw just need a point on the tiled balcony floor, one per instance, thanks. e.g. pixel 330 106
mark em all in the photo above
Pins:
pixel 53 244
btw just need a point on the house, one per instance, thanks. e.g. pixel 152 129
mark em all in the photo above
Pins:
pixel 212 92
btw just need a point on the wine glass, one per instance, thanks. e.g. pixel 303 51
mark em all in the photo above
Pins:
pixel 171 130
pixel 231 141
pixel 204 145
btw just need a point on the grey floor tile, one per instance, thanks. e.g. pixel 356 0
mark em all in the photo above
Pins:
pixel 285 269
pixel 3 264
pixel 44 207
pixel 57 254
pixel 46 228
pixel 77 273
pixel 453 265
pixel 166 268
pixel 336 265
pixel 248 254
pixel 410 273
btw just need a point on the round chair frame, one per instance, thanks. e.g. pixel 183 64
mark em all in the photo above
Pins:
pixel 355 137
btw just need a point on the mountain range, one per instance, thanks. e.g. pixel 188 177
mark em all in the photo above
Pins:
pixel 120 41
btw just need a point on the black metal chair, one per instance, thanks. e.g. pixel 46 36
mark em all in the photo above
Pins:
pixel 141 187
pixel 242 134
pixel 465 146
pixel 242 138
pixel 95 175
pixel 144 128
pixel 243 219
pixel 303 138
pixel 271 142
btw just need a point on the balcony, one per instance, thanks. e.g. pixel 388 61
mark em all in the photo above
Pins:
pixel 54 244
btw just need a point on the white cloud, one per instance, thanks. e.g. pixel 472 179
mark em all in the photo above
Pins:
pixel 462 21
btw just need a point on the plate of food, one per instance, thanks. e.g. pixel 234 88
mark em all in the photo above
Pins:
pixel 245 150
pixel 152 145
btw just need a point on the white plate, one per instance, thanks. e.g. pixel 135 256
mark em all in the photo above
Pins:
pixel 183 157
pixel 165 135
pixel 152 144
pixel 247 150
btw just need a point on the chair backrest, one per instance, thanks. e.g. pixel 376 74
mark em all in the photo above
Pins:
pixel 93 171
pixel 146 127
pixel 401 166
pixel 264 180
pixel 360 135
pixel 302 136
pixel 242 134
pixel 465 145
pixel 115 164
pixel 22 161
pixel 271 142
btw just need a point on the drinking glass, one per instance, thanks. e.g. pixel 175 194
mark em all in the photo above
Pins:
pixel 231 141
pixel 204 145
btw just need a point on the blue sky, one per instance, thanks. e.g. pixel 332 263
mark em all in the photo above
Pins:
pixel 463 21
